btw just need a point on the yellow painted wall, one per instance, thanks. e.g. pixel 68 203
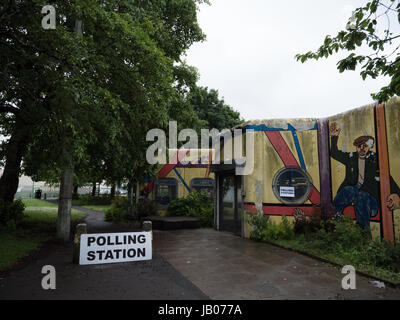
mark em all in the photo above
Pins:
pixel 392 111
pixel 187 174
pixel 353 124
pixel 268 163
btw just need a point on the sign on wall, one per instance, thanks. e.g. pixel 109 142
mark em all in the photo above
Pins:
pixel 115 247
pixel 287 192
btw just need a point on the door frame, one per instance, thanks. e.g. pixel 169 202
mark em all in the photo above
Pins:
pixel 238 220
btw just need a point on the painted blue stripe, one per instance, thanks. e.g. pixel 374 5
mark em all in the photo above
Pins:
pixel 147 178
pixel 297 144
pixel 183 181
pixel 263 127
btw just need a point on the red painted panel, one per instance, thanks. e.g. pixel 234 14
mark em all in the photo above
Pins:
pixel 349 212
pixel 289 160
pixel 282 149
pixel 279 210
pixel 384 173
pixel 166 169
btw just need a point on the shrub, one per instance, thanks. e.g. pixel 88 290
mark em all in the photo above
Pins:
pixel 383 254
pixel 145 208
pixel 118 211
pixel 11 213
pixel 306 225
pixel 178 208
pixel 121 210
pixel 196 204
pixel 202 207
pixel 266 230
pixel 258 223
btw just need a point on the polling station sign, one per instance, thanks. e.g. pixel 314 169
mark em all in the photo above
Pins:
pixel 287 192
pixel 115 247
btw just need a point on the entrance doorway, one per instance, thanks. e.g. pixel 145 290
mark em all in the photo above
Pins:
pixel 229 204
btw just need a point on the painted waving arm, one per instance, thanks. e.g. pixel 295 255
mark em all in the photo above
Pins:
pixel 393 200
pixel 336 154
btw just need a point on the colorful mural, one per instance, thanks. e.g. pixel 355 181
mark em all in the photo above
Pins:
pixel 392 120
pixel 286 169
pixel 360 187
pixel 347 164
pixel 178 178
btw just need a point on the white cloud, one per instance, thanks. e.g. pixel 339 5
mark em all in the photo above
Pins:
pixel 249 58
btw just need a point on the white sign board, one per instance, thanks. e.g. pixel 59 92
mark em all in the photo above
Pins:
pixel 287 192
pixel 115 247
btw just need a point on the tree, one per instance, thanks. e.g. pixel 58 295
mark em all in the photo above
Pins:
pixel 370 28
pixel 213 110
pixel 93 93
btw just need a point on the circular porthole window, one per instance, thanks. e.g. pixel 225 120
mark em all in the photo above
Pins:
pixel 291 185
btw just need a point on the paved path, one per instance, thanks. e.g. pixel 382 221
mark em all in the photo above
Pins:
pixel 146 280
pixel 188 264
pixel 225 266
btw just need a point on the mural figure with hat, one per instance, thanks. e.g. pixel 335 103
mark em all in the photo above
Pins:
pixel 361 183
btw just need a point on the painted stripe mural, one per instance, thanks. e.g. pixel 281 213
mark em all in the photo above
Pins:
pixel 348 164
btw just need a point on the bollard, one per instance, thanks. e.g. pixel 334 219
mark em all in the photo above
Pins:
pixel 148 227
pixel 80 229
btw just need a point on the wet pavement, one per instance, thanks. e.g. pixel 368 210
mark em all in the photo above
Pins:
pixel 228 267
pixel 155 279
pixel 187 265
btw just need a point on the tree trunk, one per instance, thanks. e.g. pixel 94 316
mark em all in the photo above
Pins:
pixel 94 189
pixel 67 178
pixel 64 204
pixel 113 187
pixel 16 148
pixel 75 190
pixel 137 192
pixel 129 190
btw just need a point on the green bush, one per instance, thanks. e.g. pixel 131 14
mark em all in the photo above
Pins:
pixel 266 230
pixel 178 208
pixel 306 225
pixel 118 211
pixel 121 210
pixel 340 239
pixel 259 224
pixel 11 213
pixel 339 235
pixel 196 204
pixel 383 254
pixel 145 208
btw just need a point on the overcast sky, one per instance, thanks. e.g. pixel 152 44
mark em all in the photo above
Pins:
pixel 249 58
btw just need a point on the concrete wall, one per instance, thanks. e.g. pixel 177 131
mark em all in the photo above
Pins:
pixel 353 124
pixel 297 143
pixel 393 141
pixel 183 172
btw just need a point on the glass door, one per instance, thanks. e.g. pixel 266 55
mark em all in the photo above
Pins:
pixel 231 203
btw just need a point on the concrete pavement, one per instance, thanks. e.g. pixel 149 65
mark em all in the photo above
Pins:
pixel 228 267
pixel 190 265
pixel 145 280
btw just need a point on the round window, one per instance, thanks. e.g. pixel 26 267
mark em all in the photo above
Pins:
pixel 291 185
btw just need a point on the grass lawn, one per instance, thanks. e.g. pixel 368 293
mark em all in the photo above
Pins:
pixel 97 208
pixel 345 259
pixel 38 226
